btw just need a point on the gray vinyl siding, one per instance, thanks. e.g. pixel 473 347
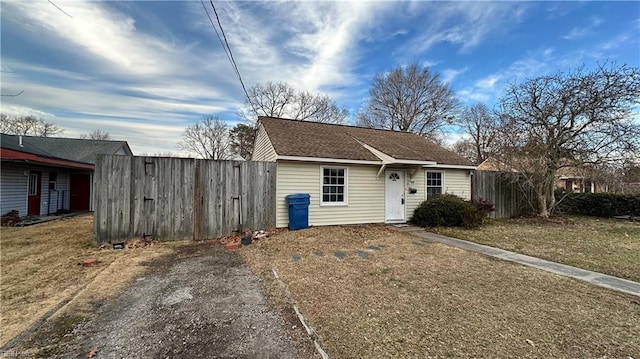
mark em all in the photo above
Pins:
pixel 13 189
pixel 14 183
pixel 58 199
pixel 263 149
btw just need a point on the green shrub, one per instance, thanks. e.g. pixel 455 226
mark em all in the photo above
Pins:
pixel 599 204
pixel 449 211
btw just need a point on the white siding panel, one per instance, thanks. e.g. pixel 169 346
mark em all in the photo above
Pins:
pixel 457 182
pixel 13 189
pixel 365 194
pixel 58 199
pixel 413 200
pixel 263 149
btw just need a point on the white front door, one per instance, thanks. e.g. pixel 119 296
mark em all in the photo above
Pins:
pixel 394 196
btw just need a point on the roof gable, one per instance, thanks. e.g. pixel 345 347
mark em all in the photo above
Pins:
pixel 73 149
pixel 312 139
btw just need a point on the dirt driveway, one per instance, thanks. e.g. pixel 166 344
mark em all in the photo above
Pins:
pixel 200 302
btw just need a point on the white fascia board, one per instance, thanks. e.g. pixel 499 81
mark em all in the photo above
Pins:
pixel 385 158
pixel 415 162
pixel 322 159
pixel 461 167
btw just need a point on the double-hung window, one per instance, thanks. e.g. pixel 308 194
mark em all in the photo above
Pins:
pixel 53 181
pixel 334 185
pixel 434 184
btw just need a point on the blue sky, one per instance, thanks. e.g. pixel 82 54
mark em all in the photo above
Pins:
pixel 145 70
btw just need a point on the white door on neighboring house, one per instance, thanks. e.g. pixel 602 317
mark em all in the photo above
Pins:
pixel 394 196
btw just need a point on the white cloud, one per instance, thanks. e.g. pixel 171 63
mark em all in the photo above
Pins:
pixel 466 24
pixel 448 75
pixel 576 33
pixel 97 30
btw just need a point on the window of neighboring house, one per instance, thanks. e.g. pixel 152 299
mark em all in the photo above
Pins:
pixel 334 185
pixel 434 184
pixel 53 181
pixel 33 184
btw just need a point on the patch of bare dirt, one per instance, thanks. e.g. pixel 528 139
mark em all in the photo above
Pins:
pixel 201 301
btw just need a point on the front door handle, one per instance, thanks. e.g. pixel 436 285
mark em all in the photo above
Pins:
pixel 403 201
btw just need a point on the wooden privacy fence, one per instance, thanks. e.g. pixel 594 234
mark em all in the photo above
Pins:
pixel 180 198
pixel 503 190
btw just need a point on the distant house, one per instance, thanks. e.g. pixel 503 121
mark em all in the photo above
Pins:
pixel 567 179
pixel 357 175
pixel 47 175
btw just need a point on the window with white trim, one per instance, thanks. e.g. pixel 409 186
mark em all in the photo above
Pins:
pixel 53 181
pixel 334 185
pixel 434 184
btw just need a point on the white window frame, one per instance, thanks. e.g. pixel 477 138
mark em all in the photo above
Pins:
pixel 55 182
pixel 32 190
pixel 426 181
pixel 345 202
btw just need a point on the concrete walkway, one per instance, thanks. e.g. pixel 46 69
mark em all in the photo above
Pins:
pixel 599 279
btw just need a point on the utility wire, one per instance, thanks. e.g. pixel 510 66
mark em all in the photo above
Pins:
pixel 64 12
pixel 216 30
pixel 227 49
pixel 14 95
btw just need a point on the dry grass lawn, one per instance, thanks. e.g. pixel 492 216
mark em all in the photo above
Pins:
pixel 420 301
pixel 608 246
pixel 39 270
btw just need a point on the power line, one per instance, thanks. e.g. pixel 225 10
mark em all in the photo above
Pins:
pixel 227 50
pixel 64 12
pixel 216 30
pixel 14 95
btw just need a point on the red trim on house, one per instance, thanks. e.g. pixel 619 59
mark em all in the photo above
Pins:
pixel 11 155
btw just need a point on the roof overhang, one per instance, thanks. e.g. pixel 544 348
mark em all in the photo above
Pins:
pixel 386 162
pixel 442 165
pixel 323 159
pixel 17 156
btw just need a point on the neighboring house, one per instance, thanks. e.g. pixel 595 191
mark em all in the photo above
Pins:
pixel 568 179
pixel 46 175
pixel 492 164
pixel 357 175
pixel 575 179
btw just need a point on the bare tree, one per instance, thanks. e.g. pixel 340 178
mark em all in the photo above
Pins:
pixel 208 138
pixel 28 126
pixel 96 135
pixel 409 99
pixel 481 126
pixel 282 100
pixel 242 138
pixel 569 119
pixel 465 148
pixel 162 154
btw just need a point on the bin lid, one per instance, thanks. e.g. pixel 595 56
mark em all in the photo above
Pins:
pixel 298 196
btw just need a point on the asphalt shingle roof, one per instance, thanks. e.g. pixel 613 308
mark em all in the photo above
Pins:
pixel 73 149
pixel 312 139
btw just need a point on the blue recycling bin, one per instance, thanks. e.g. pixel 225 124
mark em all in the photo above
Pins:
pixel 298 204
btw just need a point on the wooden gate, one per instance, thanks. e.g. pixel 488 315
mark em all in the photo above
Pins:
pixel 181 198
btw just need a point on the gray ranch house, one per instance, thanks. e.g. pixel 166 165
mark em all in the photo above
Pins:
pixel 354 174
pixel 47 175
